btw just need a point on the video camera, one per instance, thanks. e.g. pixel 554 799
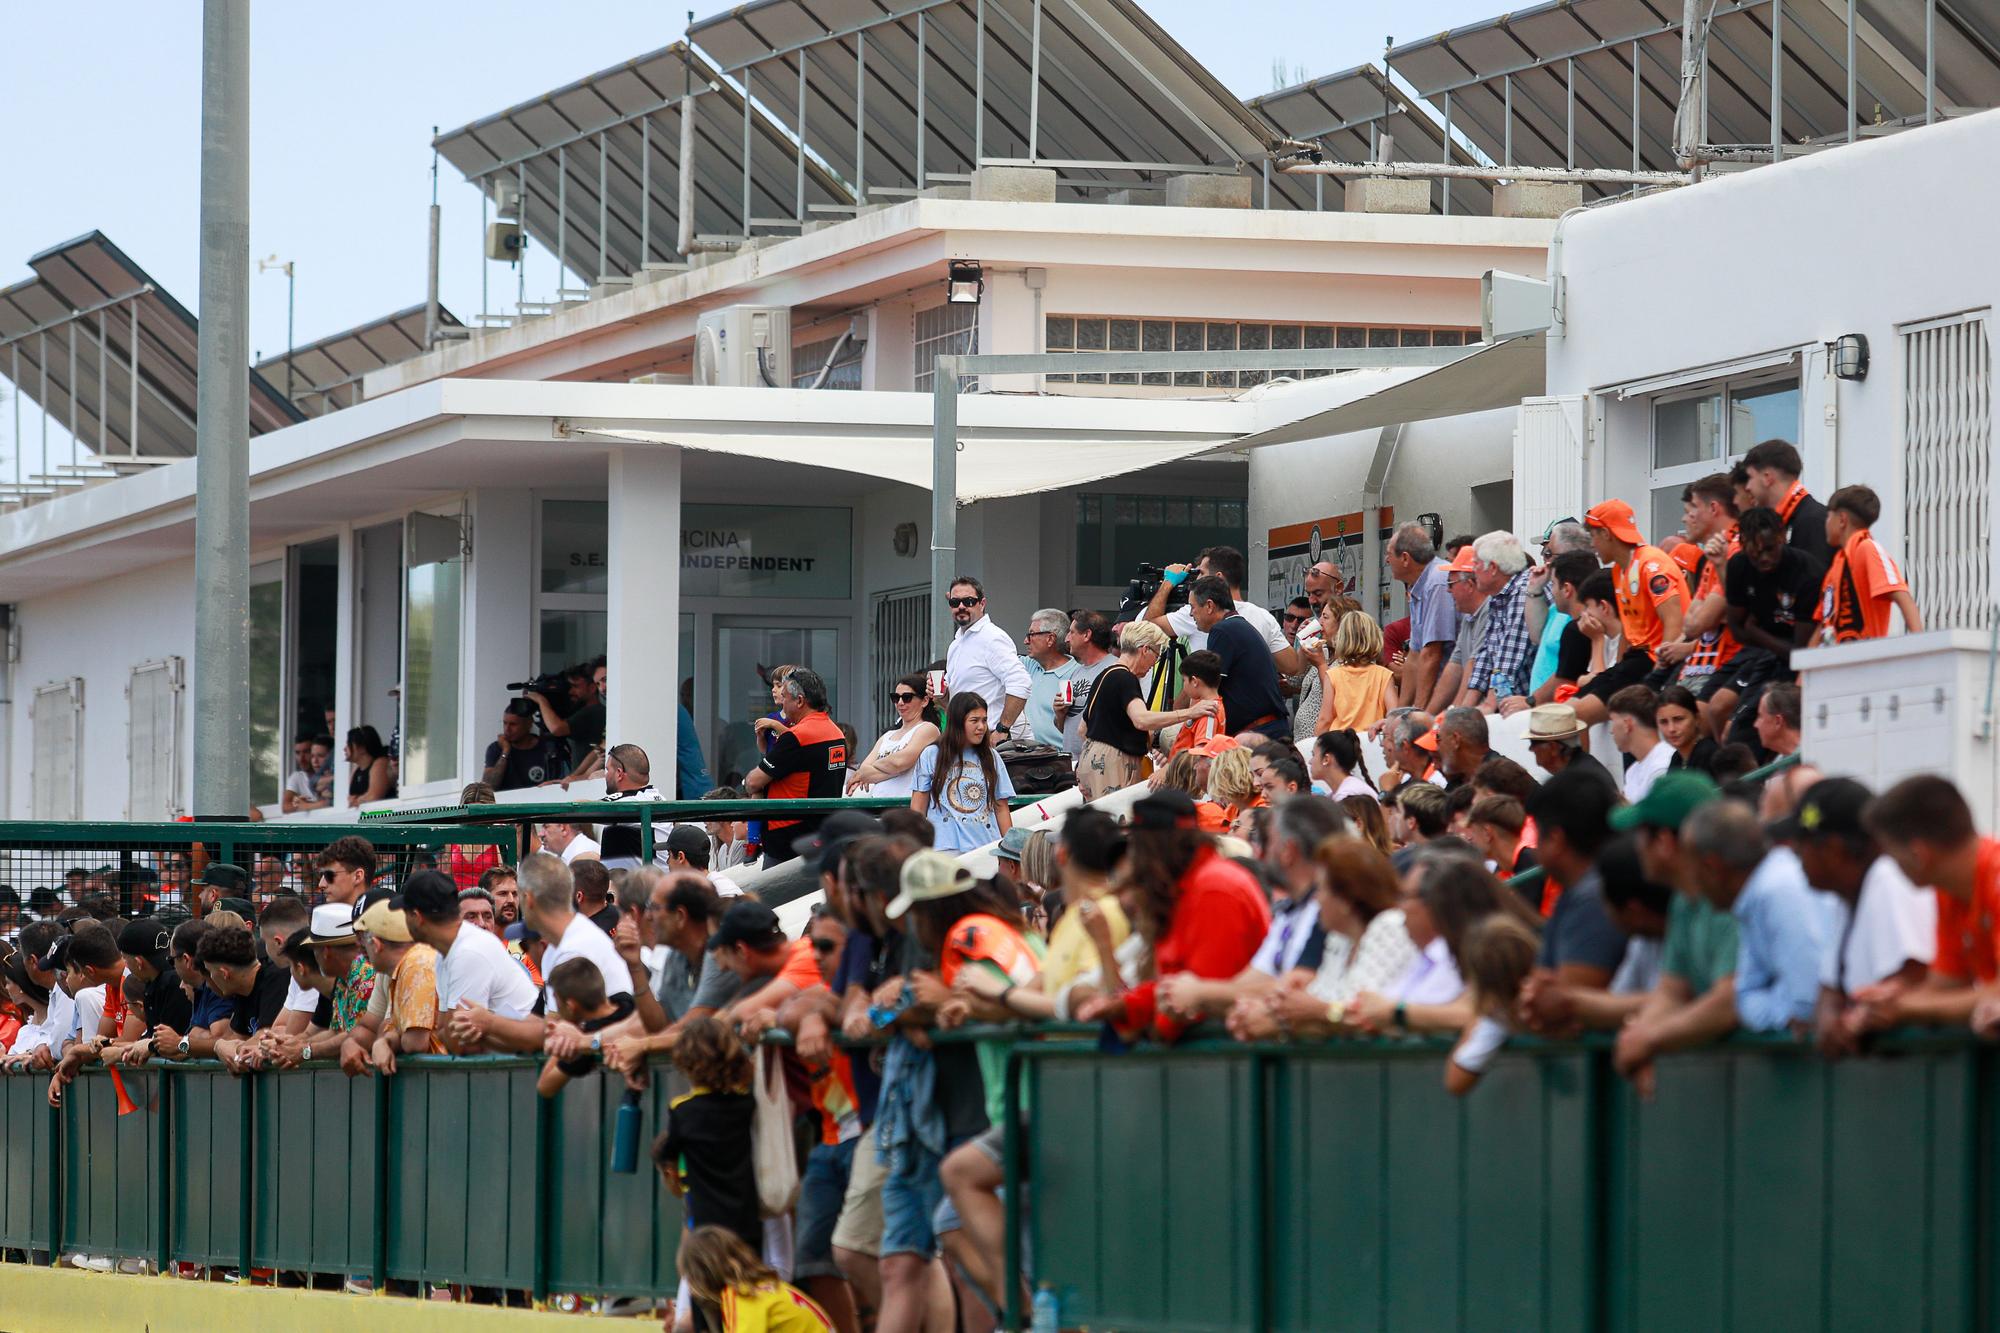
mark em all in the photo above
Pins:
pixel 1145 582
pixel 554 687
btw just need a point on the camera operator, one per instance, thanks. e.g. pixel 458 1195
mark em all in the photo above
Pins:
pixel 522 757
pixel 583 725
pixel 1225 563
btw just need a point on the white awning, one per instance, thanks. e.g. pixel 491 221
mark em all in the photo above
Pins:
pixel 1493 377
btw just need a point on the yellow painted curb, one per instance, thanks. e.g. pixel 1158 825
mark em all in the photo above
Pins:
pixel 61 1300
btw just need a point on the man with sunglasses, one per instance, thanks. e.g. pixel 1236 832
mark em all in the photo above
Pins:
pixel 1048 665
pixel 981 659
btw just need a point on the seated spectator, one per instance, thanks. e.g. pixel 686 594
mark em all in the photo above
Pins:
pixel 521 756
pixel 1926 827
pixel 1415 817
pixel 1879 927
pixel 688 847
pixel 1232 789
pixel 1637 736
pixel 1365 814
pixel 1779 720
pixel 1678 718
pixel 891 766
pixel 1732 763
pixel 1772 589
pixel 591 884
pixel 1498 679
pixel 1409 760
pixel 1555 741
pixel 374 767
pixel 1186 771
pixel 1201 681
pixel 1202 914
pixel 1279 776
pixel 309 786
pixel 1499 953
pixel 1778 927
pixel 1494 825
pixel 1769 476
pixel 1338 764
pixel 1651 598
pixel 1460 743
pixel 1567 654
pixel 1367 947
pixel 1457 806
pixel 1862 583
pixel 477 980
pixel 962 786
pixel 721 1272
pixel 1445 890
pixel 1708 513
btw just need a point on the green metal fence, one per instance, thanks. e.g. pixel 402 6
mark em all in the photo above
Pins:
pixel 139 863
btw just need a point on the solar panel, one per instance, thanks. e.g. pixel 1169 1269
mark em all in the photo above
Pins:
pixel 896 95
pixel 88 306
pixel 1346 114
pixel 326 375
pixel 551 144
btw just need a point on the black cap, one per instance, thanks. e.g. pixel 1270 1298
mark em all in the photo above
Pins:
pixel 44 898
pixel 687 839
pixel 55 955
pixel 241 906
pixel 147 937
pixel 836 827
pixel 522 708
pixel 747 921
pixel 431 894
pixel 1831 808
pixel 1165 809
pixel 222 875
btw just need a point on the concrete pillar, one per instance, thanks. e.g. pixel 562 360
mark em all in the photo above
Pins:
pixel 889 360
pixel 1535 199
pixel 1208 192
pixel 643 606
pixel 1386 194
pixel 498 619
pixel 1007 326
pixel 1015 185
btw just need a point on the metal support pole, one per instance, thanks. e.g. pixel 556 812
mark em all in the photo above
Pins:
pixel 430 282
pixel 44 402
pixel 1507 130
pixel 1930 62
pixel 923 102
pixel 799 208
pixel 1777 80
pixel 1569 114
pixel 222 421
pixel 14 378
pixel 1035 82
pixel 645 190
pixel 1636 90
pixel 73 394
pixel 860 118
pixel 104 383
pixel 747 77
pixel 483 306
pixel 132 390
pixel 603 214
pixel 684 188
pixel 1850 71
pixel 944 500
pixel 521 262
pixel 562 221
pixel 978 82
pixel 1447 153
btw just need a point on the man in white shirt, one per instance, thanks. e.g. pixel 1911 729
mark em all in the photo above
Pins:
pixel 548 904
pixel 487 995
pixel 1225 563
pixel 570 841
pixel 982 659
pixel 1635 734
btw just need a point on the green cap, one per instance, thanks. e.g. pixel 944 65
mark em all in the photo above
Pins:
pixel 1671 800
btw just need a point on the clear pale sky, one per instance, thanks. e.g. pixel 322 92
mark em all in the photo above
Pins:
pixel 103 101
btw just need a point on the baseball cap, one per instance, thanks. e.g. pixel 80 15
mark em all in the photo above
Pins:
pixel 927 876
pixel 145 938
pixel 1549 531
pixel 1831 808
pixel 241 906
pixel 1674 796
pixel 431 894
pixel 747 921
pixel 520 933
pixel 687 839
pixel 1427 741
pixel 383 918
pixel 1163 810
pixel 222 875
pixel 836 827
pixel 1215 745
pixel 1615 517
pixel 1462 562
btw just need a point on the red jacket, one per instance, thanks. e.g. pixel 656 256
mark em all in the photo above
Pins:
pixel 1219 921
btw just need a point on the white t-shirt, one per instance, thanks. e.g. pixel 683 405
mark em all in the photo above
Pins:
pixel 1479 1046
pixel 479 970
pixel 581 846
pixel 1181 621
pixel 300 784
pixel 89 1011
pixel 586 939
pixel 1895 922
pixel 61 1022
pixel 1640 777
pixel 31 1036
pixel 300 999
pixel 724 886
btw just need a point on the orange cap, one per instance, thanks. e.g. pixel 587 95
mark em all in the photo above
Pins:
pixel 1215 745
pixel 1462 562
pixel 1428 741
pixel 1615 517
pixel 1687 555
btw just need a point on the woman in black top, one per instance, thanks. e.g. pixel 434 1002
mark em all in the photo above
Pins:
pixel 1678 717
pixel 374 774
pixel 1116 720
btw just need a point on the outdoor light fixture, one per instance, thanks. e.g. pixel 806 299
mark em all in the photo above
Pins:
pixel 964 284
pixel 1850 356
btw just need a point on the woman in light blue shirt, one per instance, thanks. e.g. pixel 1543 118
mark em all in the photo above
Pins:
pixel 961 784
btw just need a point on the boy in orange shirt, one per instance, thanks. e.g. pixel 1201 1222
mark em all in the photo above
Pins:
pixel 1862 583
pixel 1652 597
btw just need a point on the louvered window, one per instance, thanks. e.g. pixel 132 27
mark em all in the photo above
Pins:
pixel 57 719
pixel 153 745
pixel 1947 469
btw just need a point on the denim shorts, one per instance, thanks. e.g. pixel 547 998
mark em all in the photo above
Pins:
pixel 915 1208
pixel 821 1194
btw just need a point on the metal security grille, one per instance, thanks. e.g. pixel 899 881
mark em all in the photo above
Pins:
pixel 1947 470
pixel 899 642
pixel 153 740
pixel 807 361
pixel 57 718
pixel 945 330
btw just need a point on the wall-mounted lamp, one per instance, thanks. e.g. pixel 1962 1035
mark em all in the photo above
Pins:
pixel 1850 356
pixel 964 282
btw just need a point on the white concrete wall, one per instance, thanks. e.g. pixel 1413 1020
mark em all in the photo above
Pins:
pixel 100 632
pixel 1858 239
pixel 1437 464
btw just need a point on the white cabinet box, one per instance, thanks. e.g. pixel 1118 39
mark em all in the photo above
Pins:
pixel 1882 709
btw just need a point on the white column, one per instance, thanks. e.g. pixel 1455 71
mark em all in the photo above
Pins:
pixel 499 610
pixel 644 605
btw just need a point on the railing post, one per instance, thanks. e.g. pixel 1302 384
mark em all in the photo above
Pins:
pixel 164 1157
pixel 1260 1229
pixel 379 1258
pixel 58 1145
pixel 545 1137
pixel 1010 1158
pixel 247 1190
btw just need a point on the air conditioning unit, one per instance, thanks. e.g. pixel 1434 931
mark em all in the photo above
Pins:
pixel 744 347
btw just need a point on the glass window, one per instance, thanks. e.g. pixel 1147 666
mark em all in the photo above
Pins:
pixel 270 752
pixel 1090 335
pixel 1188 338
pixel 1666 513
pixel 1221 338
pixel 1061 333
pixel 1124 338
pixel 575 539
pixel 1381 337
pixel 1352 337
pixel 1157 336
pixel 569 637
pixel 1687 430
pixel 1156 529
pixel 744 655
pixel 1762 412
pixel 433 597
pixel 1448 338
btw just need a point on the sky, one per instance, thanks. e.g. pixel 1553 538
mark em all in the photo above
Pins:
pixel 105 104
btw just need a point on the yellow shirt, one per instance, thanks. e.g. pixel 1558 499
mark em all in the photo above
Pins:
pixel 1360 696
pixel 773 1309
pixel 1071 953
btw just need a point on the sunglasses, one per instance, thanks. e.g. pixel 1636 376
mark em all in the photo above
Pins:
pixel 824 946
pixel 962 601
pixel 326 876
pixel 905 697
pixel 1291 619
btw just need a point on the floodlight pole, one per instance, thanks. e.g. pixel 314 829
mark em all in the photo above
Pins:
pixel 222 422
pixel 944 500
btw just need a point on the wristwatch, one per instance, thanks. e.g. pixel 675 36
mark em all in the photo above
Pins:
pixel 307 1053
pixel 596 1043
pixel 183 1047
pixel 1402 1016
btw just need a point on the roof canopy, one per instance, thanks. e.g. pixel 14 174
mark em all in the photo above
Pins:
pixel 326 375
pixel 1347 114
pixel 98 315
